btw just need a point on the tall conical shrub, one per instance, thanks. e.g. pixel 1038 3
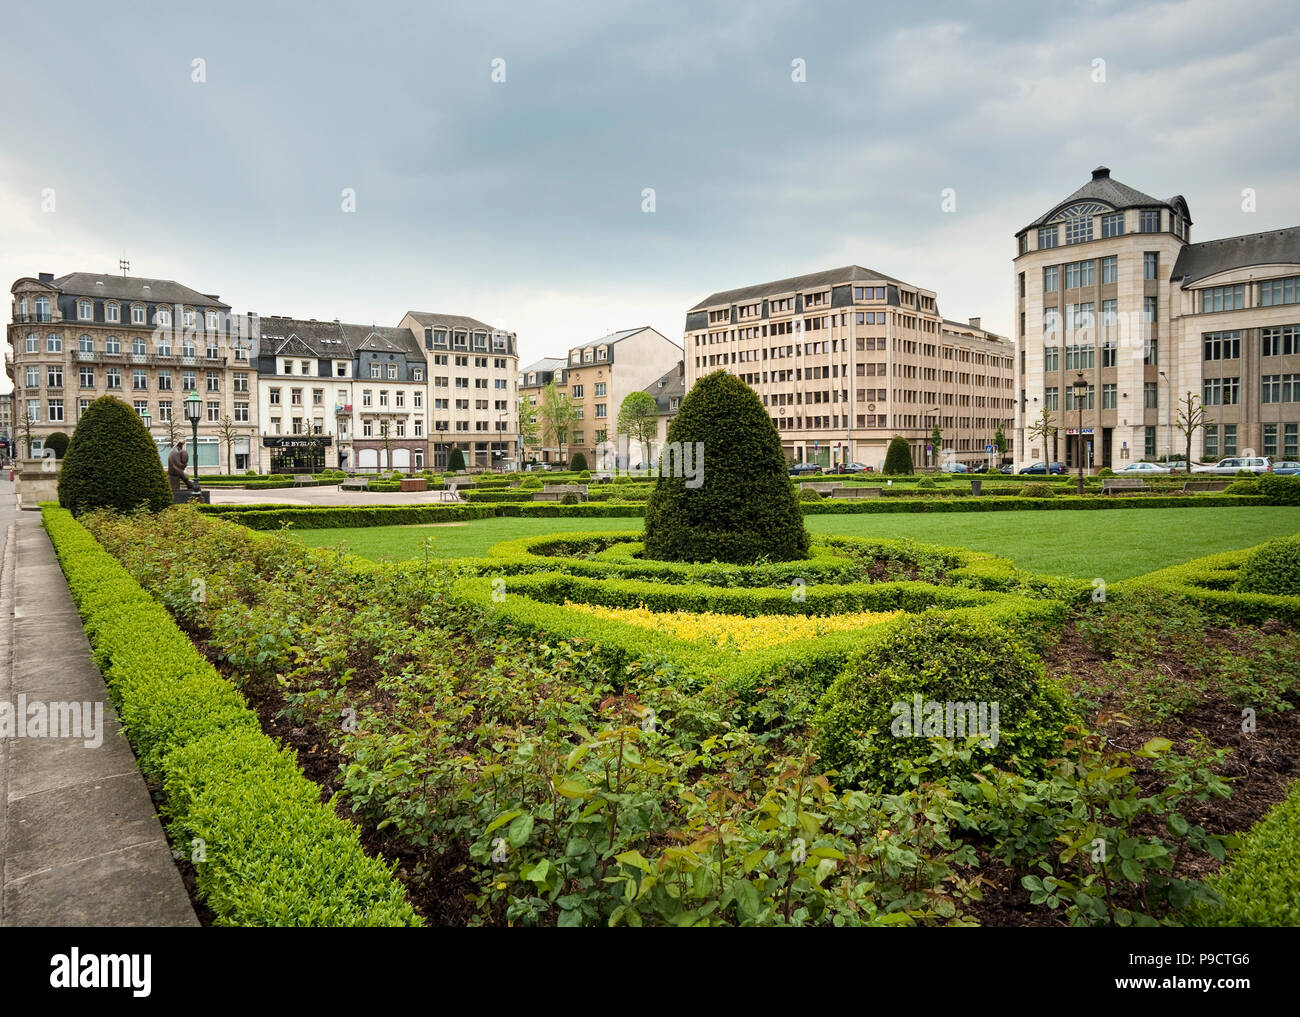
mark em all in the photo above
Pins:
pixel 743 507
pixel 899 457
pixel 112 462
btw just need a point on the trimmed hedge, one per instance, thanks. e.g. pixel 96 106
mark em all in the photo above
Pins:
pixel 325 517
pixel 1273 568
pixel 275 854
pixel 112 463
pixel 1260 885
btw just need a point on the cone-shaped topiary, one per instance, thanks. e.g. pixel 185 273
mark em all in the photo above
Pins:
pixel 112 462
pixel 899 457
pixel 578 462
pixel 732 501
pixel 59 442
pixel 455 460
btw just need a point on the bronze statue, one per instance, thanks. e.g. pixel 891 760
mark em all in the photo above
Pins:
pixel 176 463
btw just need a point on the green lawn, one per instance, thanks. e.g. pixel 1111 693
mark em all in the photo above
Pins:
pixel 1112 544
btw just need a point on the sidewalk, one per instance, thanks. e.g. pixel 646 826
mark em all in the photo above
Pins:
pixel 80 844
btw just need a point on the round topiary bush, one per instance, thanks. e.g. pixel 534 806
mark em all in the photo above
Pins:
pixel 898 459
pixel 569 498
pixel 455 460
pixel 925 483
pixel 1105 471
pixel 578 462
pixel 1036 490
pixel 531 484
pixel 622 478
pixel 1246 474
pixel 1272 568
pixel 59 442
pixel 808 494
pixel 1250 486
pixel 584 475
pixel 732 501
pixel 112 463
pixel 900 692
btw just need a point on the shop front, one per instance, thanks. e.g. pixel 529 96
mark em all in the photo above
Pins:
pixel 298 453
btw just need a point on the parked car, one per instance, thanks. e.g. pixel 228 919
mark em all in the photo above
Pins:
pixel 1143 469
pixel 1286 468
pixel 952 468
pixel 854 468
pixel 1043 468
pixel 804 469
pixel 977 468
pixel 1008 469
pixel 1234 464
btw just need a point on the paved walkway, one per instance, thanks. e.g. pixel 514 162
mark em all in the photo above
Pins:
pixel 80 844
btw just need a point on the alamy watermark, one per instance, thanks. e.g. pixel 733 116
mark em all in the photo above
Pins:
pixel 38 719
pixel 926 718
pixel 683 459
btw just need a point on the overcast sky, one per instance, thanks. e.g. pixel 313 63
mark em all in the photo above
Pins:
pixel 520 202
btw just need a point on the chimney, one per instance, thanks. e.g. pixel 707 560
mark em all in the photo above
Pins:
pixel 974 323
pixel 1101 173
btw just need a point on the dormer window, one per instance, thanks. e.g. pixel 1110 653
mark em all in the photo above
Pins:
pixel 85 310
pixel 602 353
pixel 137 314
pixel 112 313
pixel 189 317
pixel 163 316
pixel 212 321
pixel 586 356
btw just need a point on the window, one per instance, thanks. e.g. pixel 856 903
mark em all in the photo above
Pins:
pixel 56 410
pixel 274 396
pixel 1110 269
pixel 138 347
pixel 1279 291
pixel 34 343
pixel 112 313
pixel 188 317
pixel 1109 354
pixel 1149 310
pixel 1223 298
pixel 34 410
pixel 1080 273
pixel 211 321
pixel 33 376
pixel 1108 396
pixel 141 407
pixel 1051 278
pixel 1149 220
pixel 1109 313
pixel 1078 229
pixel 241 381
pixel 1280 388
pixel 137 314
pixel 112 344
pixel 1079 316
pixel 164 381
pixel 1112 225
pixel 1283 340
pixel 417 374
pixel 1149 442
pixel 214 381
pixel 241 413
pixel 1229 439
pixel 1086 403
pixel 54 343
pixel 189 382
pixel 295 397
pixel 1211 441
pixel 1150 264
pixel 85 310
pixel 392 372
pixel 1048 236
pixel 366 398
pixel 162 316
pixel 1051 398
pixel 1222 345
pixel 214 413
pixel 1022 246
pixel 600 390
pixel 113 377
pixel 1051 320
pixel 1150 395
pixel 577 392
pixel 139 380
pixel 86 377
pixel 1221 391
pixel 1080 357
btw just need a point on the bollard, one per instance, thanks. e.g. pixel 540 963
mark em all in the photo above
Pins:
pixel 976 486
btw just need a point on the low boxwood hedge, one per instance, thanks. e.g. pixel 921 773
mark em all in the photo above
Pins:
pixel 274 853
pixel 325 517
pixel 1260 885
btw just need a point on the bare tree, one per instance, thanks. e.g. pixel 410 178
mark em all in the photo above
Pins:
pixel 25 426
pixel 229 432
pixel 1043 428
pixel 1191 418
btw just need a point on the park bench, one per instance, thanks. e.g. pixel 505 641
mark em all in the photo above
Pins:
pixel 303 480
pixel 820 488
pixel 1205 486
pixel 452 491
pixel 354 484
pixel 855 492
pixel 556 492
pixel 1109 485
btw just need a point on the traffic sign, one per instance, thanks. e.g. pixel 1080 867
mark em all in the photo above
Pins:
pixel 988 448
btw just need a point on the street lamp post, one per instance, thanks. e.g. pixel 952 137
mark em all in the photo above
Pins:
pixel 1080 390
pixel 1169 423
pixel 193 410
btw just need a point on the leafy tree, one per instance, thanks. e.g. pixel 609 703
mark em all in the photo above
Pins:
pixel 638 420
pixel 1191 418
pixel 1000 442
pixel 557 416
pixel 735 502
pixel 528 428
pixel 898 458
pixel 936 441
pixel 112 462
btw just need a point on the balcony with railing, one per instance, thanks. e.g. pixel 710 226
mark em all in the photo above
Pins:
pixel 34 319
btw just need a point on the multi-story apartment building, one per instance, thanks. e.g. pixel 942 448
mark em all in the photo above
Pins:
pixel 1110 293
pixel 472 371
pixel 532 380
pixel 668 392
pixel 150 343
pixel 6 423
pixel 847 358
pixel 599 375
pixel 337 394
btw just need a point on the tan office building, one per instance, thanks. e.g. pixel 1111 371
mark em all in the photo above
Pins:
pixel 149 342
pixel 599 375
pixel 847 358
pixel 1109 290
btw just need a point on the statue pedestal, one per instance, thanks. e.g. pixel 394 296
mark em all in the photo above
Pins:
pixel 183 496
pixel 37 480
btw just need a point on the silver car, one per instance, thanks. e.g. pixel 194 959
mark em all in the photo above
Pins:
pixel 1142 469
pixel 1231 466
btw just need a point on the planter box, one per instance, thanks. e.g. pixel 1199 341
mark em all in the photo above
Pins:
pixel 414 484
